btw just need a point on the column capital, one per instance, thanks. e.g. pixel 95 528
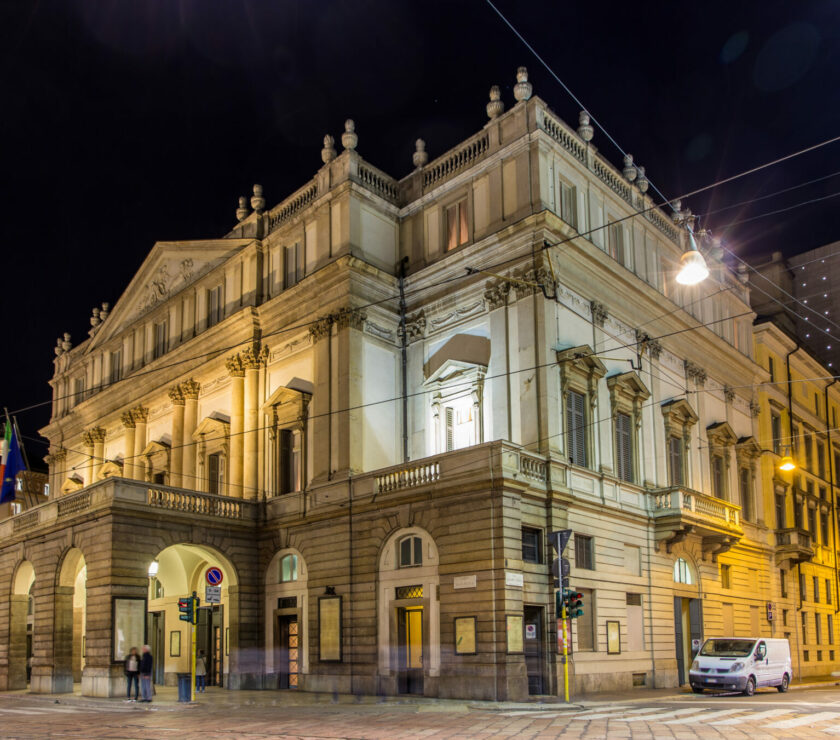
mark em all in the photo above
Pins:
pixel 320 328
pixel 190 389
pixel 127 419
pixel 252 357
pixel 176 395
pixel 235 367
pixel 349 317
pixel 93 435
pixel 140 414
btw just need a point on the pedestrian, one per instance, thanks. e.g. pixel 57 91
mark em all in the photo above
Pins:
pixel 146 663
pixel 132 673
pixel 200 672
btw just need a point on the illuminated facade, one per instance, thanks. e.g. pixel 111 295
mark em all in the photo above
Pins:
pixel 369 405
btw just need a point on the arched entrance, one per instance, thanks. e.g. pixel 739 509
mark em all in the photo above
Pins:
pixel 178 571
pixel 21 619
pixel 409 613
pixel 688 613
pixel 287 611
pixel 70 621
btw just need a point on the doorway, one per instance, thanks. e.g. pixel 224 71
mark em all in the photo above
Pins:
pixel 155 629
pixel 688 632
pixel 210 638
pixel 533 644
pixel 287 650
pixel 410 649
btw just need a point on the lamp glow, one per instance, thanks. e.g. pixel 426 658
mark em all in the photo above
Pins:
pixel 693 267
pixel 153 568
pixel 787 464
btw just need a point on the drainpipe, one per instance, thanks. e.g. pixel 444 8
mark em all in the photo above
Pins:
pixel 403 351
pixel 350 565
pixel 493 575
pixel 831 475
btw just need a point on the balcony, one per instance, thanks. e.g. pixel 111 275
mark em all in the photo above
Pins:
pixel 794 545
pixel 679 512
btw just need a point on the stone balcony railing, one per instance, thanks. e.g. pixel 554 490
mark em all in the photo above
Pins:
pixel 793 544
pixel 680 511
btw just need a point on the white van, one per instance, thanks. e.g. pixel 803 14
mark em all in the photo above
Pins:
pixel 741 664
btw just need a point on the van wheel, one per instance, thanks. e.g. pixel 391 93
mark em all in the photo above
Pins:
pixel 750 688
pixel 697 689
pixel 784 685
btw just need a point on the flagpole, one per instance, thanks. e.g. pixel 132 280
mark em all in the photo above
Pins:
pixel 25 488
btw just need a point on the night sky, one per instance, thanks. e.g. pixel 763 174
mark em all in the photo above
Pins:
pixel 127 122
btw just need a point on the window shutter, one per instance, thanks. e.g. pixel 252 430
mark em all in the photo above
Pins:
pixel 623 447
pixel 576 427
pixel 450 429
pixel 213 473
pixel 568 204
pixel 675 460
pixel 284 461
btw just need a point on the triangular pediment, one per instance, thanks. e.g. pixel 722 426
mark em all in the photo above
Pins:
pixel 748 447
pixel 167 270
pixel 452 370
pixel 71 484
pixel 111 469
pixel 629 383
pixel 154 447
pixel 582 357
pixel 722 433
pixel 211 428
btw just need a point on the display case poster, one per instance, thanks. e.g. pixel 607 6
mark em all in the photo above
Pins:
pixel 465 635
pixel 514 633
pixel 129 626
pixel 613 638
pixel 329 612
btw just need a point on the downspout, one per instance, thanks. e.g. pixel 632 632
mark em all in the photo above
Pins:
pixel 350 563
pixel 831 475
pixel 403 351
pixel 493 576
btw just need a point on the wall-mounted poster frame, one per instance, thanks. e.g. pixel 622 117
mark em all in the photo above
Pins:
pixel 128 620
pixel 465 635
pixel 515 636
pixel 175 644
pixel 613 638
pixel 329 628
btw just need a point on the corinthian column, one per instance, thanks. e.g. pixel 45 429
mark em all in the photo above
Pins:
pixel 237 423
pixel 189 389
pixel 98 436
pixel 87 438
pixel 251 361
pixel 176 460
pixel 141 416
pixel 128 444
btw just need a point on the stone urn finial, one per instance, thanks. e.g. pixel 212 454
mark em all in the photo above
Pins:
pixel 420 156
pixel 522 89
pixel 66 344
pixel 104 311
pixel 242 212
pixel 58 349
pixel 328 152
pixel 257 200
pixel 629 170
pixel 585 130
pixel 349 139
pixel 642 181
pixel 495 107
pixel 94 319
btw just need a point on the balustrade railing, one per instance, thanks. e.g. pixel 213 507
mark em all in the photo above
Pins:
pixel 74 504
pixel 409 477
pixel 25 521
pixel 456 160
pixel 565 138
pixel 533 468
pixel 196 503
pixel 696 504
pixel 292 206
pixel 378 182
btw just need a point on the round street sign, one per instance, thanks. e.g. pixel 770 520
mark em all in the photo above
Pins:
pixel 213 576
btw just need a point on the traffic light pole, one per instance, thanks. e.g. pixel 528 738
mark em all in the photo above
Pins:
pixel 565 655
pixel 193 623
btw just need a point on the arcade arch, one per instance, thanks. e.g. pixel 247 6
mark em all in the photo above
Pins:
pixel 21 616
pixel 70 621
pixel 287 611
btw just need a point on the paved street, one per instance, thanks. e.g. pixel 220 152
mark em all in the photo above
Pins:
pixel 804 713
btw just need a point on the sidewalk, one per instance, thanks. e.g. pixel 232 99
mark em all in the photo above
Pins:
pixel 166 699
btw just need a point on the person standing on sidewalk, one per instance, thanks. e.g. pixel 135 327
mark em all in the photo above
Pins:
pixel 132 673
pixel 200 672
pixel 146 664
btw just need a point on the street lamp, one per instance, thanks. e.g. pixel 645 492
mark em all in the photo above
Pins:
pixel 693 267
pixel 787 464
pixel 153 568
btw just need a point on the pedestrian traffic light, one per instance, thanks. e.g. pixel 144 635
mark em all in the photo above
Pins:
pixel 574 603
pixel 186 607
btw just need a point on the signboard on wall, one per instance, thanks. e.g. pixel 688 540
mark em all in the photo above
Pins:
pixel 129 626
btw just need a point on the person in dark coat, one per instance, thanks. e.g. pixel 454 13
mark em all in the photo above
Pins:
pixel 132 673
pixel 146 665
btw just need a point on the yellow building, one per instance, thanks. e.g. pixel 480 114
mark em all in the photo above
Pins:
pixel 798 418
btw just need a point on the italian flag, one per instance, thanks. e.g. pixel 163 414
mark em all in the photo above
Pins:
pixel 11 464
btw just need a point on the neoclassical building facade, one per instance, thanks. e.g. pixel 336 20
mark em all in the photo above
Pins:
pixel 363 411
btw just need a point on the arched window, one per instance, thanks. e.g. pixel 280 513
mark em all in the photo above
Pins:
pixel 410 552
pixel 288 568
pixel 682 572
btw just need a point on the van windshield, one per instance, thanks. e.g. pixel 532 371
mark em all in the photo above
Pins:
pixel 727 648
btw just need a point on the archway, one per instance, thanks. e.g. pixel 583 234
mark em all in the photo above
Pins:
pixel 177 572
pixel 287 617
pixel 21 616
pixel 688 612
pixel 409 613
pixel 70 621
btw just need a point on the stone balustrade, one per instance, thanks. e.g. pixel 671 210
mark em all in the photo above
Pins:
pixel 457 159
pixel 695 506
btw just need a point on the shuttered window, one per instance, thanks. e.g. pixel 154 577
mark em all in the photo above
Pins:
pixel 675 461
pixel 576 427
pixel 746 495
pixel 718 488
pixel 624 447
pixel 450 429
pixel 214 473
pixel 568 204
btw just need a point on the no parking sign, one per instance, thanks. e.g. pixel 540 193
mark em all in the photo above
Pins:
pixel 213 576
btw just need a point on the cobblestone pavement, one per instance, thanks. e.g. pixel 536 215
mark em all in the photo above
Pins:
pixel 810 713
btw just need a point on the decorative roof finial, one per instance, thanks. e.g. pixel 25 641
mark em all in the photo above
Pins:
pixel 104 311
pixel 66 344
pixel 257 200
pixel 629 168
pixel 522 89
pixel 242 212
pixel 328 152
pixel 94 319
pixel 349 139
pixel 58 349
pixel 585 130
pixel 642 181
pixel 495 107
pixel 420 156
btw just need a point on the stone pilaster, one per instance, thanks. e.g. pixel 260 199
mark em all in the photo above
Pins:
pixel 140 416
pixel 251 361
pixel 321 398
pixel 177 450
pixel 128 444
pixel 237 424
pixel 87 439
pixel 189 389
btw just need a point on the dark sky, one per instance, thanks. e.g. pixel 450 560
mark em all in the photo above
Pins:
pixel 126 122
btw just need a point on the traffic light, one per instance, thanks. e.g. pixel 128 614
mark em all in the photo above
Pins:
pixel 185 606
pixel 574 603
